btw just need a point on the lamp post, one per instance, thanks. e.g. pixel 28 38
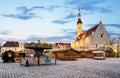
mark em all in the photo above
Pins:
pixel 27 62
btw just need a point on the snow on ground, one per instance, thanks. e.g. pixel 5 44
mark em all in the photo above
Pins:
pixel 82 68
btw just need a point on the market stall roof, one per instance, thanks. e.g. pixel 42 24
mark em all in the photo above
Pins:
pixel 38 46
pixel 64 50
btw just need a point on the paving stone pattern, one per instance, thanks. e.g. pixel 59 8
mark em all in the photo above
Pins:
pixel 82 68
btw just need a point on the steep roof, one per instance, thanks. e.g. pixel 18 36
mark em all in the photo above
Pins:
pixel 11 44
pixel 87 33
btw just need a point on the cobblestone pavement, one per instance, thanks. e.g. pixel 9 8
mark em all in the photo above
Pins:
pixel 82 68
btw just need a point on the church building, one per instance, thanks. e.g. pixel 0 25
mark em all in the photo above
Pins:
pixel 93 38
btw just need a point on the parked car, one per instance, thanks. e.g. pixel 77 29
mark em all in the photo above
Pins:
pixel 100 55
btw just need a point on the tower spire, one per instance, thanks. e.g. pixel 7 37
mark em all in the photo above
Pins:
pixel 79 17
pixel 79 24
pixel 100 20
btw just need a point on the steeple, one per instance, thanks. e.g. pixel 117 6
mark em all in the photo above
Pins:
pixel 100 20
pixel 79 17
pixel 43 41
pixel 79 24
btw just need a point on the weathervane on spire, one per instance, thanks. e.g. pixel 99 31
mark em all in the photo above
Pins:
pixel 100 20
pixel 79 13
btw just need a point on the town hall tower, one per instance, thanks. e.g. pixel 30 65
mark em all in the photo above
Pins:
pixel 79 24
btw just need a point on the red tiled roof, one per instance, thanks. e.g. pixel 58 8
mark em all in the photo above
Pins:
pixel 87 33
pixel 11 44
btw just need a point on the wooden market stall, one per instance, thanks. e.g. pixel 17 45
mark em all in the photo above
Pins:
pixel 68 54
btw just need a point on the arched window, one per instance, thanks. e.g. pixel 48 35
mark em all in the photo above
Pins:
pixel 102 35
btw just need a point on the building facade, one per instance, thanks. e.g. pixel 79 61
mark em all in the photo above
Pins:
pixel 93 38
pixel 61 46
pixel 13 46
pixel 116 47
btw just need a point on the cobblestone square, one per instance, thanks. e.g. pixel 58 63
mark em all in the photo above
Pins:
pixel 82 68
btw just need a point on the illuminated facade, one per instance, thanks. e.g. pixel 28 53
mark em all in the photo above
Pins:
pixel 95 37
pixel 116 46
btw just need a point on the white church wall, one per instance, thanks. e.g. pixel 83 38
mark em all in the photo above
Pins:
pixel 100 37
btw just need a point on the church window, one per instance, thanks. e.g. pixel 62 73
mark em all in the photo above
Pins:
pixel 102 35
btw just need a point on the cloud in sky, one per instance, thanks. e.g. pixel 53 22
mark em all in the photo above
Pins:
pixel 60 21
pixel 54 16
pixel 21 16
pixel 106 25
pixel 89 6
pixel 113 25
pixel 85 2
pixel 69 32
pixel 114 34
pixel 71 16
pixel 69 36
pixel 50 39
pixel 25 13
pixel 5 32
pixel 65 19
pixel 113 30
pixel 49 8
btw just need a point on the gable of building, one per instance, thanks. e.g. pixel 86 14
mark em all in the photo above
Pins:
pixel 100 36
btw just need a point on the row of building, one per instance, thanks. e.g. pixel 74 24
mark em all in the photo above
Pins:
pixel 20 47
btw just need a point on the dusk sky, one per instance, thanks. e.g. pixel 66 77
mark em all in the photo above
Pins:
pixel 55 20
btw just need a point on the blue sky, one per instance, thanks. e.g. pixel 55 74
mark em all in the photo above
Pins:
pixel 55 20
